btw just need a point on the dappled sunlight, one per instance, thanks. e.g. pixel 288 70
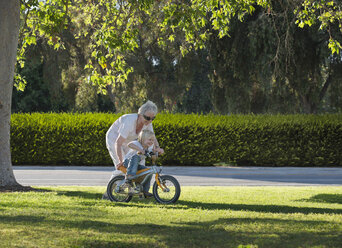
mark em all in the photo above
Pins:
pixel 77 217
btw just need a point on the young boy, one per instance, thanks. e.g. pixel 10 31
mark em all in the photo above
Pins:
pixel 135 158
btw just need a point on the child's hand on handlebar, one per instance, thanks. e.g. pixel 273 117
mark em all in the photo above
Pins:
pixel 148 154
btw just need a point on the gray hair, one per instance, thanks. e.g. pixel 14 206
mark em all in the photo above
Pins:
pixel 148 106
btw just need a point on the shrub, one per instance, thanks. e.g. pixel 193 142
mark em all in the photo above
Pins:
pixel 257 140
pixel 60 138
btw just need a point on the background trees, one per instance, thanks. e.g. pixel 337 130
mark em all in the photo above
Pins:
pixel 271 62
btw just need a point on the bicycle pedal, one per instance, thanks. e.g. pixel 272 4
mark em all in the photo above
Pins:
pixel 133 191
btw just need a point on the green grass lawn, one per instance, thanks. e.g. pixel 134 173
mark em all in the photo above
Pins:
pixel 203 217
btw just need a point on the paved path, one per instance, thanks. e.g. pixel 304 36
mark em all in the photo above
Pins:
pixel 215 176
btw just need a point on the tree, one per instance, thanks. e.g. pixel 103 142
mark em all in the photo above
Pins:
pixel 9 26
pixel 269 64
pixel 304 62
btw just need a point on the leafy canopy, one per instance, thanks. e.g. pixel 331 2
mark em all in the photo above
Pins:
pixel 328 14
pixel 113 27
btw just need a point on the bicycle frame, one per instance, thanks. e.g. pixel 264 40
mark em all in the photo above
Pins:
pixel 145 172
pixel 166 188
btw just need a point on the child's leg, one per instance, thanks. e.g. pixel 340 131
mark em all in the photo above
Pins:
pixel 146 186
pixel 132 166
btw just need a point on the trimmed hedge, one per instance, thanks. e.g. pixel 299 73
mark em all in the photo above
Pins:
pixel 60 138
pixel 254 140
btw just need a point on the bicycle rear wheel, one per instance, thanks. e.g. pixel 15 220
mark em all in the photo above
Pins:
pixel 117 191
pixel 170 191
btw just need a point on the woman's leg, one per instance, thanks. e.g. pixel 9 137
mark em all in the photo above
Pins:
pixel 112 153
pixel 115 159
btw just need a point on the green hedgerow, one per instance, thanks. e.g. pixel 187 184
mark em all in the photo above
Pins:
pixel 258 140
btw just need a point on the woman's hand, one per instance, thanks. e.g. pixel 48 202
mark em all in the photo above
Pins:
pixel 119 165
pixel 159 150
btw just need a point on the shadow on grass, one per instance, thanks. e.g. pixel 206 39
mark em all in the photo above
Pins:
pixel 325 198
pixel 21 219
pixel 278 209
pixel 98 196
pixel 181 204
pixel 21 189
pixel 223 232
pixel 260 208
pixel 99 244
pixel 81 194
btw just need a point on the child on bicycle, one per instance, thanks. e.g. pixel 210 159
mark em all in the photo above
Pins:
pixel 135 158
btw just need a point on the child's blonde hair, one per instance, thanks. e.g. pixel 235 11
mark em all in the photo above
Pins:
pixel 145 134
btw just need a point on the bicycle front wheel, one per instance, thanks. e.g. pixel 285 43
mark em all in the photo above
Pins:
pixel 169 192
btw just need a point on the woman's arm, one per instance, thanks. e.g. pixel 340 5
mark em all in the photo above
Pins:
pixel 157 148
pixel 118 145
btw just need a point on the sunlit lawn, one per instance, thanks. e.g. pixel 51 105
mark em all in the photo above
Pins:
pixel 203 217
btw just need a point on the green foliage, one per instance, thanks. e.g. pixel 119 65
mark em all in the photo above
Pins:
pixel 282 140
pixel 85 98
pixel 60 138
pixel 39 20
pixel 292 140
pixel 270 65
pixel 114 39
pixel 36 96
pixel 114 28
pixel 141 50
pixel 197 95
pixel 328 14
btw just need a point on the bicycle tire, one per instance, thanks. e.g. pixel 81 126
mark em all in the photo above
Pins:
pixel 170 196
pixel 117 196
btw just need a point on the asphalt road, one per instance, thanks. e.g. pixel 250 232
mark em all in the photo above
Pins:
pixel 204 176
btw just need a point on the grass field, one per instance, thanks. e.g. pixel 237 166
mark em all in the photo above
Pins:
pixel 203 217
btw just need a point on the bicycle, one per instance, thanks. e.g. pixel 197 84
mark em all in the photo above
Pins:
pixel 166 188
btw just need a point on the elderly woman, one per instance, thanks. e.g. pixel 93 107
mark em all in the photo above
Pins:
pixel 126 129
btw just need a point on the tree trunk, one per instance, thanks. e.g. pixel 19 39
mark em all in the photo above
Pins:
pixel 307 105
pixel 9 32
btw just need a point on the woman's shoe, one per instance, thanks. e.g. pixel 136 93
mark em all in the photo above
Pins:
pixel 105 196
pixel 148 195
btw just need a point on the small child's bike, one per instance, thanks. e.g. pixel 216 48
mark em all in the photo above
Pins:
pixel 166 189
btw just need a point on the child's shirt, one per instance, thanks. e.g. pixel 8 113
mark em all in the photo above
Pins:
pixel 133 152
